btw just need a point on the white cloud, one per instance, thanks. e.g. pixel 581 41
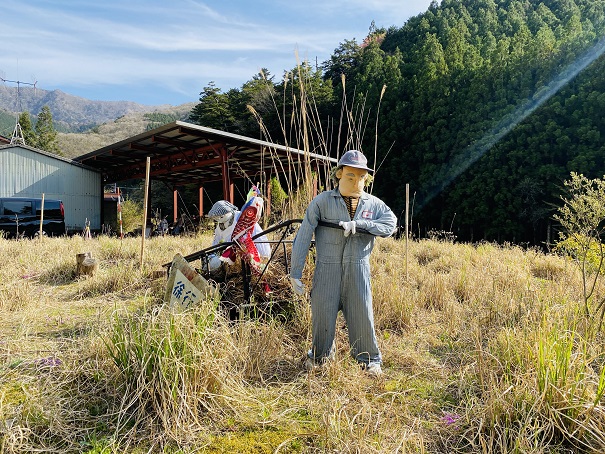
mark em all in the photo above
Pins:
pixel 180 45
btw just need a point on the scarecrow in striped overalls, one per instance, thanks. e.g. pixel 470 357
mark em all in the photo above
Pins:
pixel 345 222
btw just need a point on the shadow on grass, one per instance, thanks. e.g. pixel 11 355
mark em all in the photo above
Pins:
pixel 59 275
pixel 80 330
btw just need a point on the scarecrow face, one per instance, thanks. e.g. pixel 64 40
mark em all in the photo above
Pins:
pixel 225 218
pixel 351 181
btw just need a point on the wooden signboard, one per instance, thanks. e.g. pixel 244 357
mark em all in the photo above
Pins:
pixel 185 286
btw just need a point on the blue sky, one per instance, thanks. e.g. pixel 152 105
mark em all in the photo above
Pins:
pixel 164 52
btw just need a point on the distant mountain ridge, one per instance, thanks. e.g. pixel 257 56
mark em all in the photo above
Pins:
pixel 76 144
pixel 85 125
pixel 70 113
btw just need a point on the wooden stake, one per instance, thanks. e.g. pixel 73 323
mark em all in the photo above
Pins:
pixel 145 210
pixel 407 208
pixel 41 217
pixel 85 264
pixel 120 214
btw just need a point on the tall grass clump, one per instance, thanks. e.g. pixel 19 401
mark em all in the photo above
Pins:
pixel 535 388
pixel 302 127
pixel 570 379
pixel 173 365
pixel 532 383
pixel 183 372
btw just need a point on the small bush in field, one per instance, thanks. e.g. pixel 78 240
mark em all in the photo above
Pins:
pixel 588 252
pixel 132 215
pixel 582 217
pixel 278 195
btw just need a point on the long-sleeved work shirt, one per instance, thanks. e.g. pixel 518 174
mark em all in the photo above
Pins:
pixel 372 215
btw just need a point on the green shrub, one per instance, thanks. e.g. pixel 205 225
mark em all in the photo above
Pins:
pixel 584 250
pixel 132 215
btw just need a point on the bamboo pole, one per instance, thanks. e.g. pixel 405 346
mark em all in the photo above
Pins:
pixel 407 208
pixel 41 217
pixel 120 214
pixel 145 210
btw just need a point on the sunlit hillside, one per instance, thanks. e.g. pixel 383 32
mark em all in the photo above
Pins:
pixel 76 144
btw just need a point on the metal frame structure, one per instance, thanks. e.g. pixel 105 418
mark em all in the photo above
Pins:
pixel 183 153
pixel 285 228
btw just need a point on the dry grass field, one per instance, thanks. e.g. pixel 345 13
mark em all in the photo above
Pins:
pixel 486 349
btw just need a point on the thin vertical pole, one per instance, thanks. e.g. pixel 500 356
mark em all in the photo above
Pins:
pixel 227 185
pixel 145 209
pixel 175 204
pixel 120 214
pixel 41 216
pixel 267 215
pixel 200 198
pixel 407 208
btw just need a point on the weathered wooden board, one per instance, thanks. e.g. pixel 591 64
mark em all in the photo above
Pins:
pixel 185 286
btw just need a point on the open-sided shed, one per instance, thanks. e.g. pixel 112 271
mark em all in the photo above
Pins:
pixel 183 153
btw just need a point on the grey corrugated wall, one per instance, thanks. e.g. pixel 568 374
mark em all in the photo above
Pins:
pixel 27 172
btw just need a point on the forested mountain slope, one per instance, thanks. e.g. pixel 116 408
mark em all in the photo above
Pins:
pixel 483 112
pixel 70 113
pixel 74 144
pixel 482 143
pixel 77 144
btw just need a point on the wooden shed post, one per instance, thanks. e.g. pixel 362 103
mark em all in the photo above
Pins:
pixel 227 184
pixel 145 210
pixel 41 217
pixel 175 204
pixel 102 203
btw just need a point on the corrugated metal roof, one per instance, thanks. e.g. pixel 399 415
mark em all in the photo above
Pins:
pixel 182 152
pixel 50 155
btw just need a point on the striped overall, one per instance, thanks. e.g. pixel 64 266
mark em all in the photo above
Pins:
pixel 341 280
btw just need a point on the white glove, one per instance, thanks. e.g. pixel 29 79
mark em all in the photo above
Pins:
pixel 214 263
pixel 297 286
pixel 349 227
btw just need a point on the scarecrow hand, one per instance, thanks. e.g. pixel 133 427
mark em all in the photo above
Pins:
pixel 297 286
pixel 349 227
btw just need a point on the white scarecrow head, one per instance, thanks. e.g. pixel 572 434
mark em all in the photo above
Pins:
pixel 222 212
